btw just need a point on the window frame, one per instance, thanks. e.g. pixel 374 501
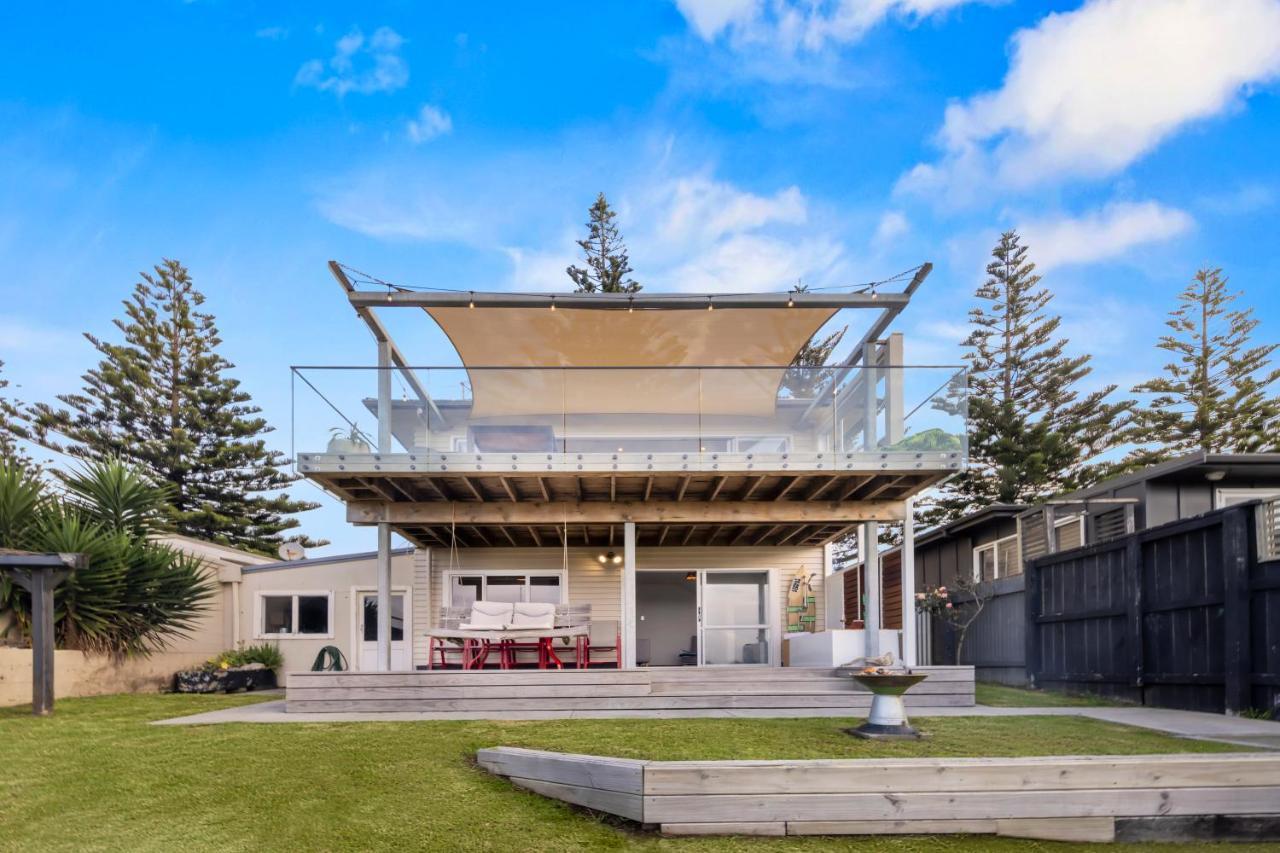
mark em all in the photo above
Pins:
pixel 484 574
pixel 1243 494
pixel 260 613
pixel 994 547
pixel 1067 520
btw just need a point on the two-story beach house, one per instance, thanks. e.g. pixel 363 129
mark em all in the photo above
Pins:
pixel 652 464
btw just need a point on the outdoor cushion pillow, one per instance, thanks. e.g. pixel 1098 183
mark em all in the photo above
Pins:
pixel 534 614
pixel 489 615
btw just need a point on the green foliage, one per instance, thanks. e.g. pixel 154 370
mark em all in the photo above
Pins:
pixel 931 439
pixel 1032 432
pixel 1218 393
pixel 266 654
pixel 161 400
pixel 135 594
pixel 608 267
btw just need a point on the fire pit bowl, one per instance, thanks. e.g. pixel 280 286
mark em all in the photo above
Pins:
pixel 888 717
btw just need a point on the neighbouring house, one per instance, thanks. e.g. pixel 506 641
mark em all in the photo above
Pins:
pixel 993 542
pixel 1168 525
pixel 652 460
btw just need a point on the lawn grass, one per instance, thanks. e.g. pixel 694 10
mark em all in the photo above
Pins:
pixel 1000 696
pixel 96 777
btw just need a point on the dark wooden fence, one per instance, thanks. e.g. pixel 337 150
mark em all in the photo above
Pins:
pixel 996 641
pixel 1184 615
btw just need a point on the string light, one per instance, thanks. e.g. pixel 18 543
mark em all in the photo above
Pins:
pixel 791 303
pixel 710 307
pixel 471 303
pixel 553 303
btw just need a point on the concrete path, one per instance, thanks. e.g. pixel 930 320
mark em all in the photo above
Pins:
pixel 1259 734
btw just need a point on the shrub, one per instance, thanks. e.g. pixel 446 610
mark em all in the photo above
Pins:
pixel 135 595
pixel 266 654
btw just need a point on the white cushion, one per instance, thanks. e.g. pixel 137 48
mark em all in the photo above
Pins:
pixel 534 614
pixel 489 615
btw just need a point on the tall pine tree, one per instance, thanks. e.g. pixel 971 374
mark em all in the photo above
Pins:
pixel 13 426
pixel 161 401
pixel 1218 394
pixel 1032 432
pixel 607 267
pixel 809 361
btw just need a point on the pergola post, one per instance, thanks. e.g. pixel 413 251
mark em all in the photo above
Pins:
pixel 384 597
pixel 629 594
pixel 40 574
pixel 909 654
pixel 868 545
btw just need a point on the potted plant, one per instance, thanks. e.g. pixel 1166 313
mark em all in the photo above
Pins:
pixel 346 440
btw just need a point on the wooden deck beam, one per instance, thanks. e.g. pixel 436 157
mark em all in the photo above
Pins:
pixel 659 512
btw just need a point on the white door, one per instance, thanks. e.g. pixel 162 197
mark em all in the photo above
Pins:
pixel 367 631
pixel 733 617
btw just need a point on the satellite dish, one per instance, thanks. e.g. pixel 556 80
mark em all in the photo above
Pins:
pixel 292 550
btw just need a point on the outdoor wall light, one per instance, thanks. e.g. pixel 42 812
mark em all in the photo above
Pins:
pixel 1214 476
pixel 690 576
pixel 609 558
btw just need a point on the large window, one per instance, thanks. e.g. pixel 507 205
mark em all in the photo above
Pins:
pixel 465 588
pixel 295 614
pixel 998 559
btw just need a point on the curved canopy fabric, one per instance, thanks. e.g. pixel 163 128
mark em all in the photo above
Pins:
pixel 644 338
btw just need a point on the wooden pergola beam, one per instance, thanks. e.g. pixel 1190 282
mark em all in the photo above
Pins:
pixel 591 512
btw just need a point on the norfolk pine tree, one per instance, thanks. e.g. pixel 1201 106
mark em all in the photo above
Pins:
pixel 1218 394
pixel 13 426
pixel 607 265
pixel 161 401
pixel 1032 432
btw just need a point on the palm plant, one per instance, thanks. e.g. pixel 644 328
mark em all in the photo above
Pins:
pixel 136 594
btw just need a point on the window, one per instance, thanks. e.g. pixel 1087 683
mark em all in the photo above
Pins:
pixel 295 614
pixel 1230 497
pixel 997 559
pixel 465 588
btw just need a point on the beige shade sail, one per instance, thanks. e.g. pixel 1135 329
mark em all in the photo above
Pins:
pixel 660 339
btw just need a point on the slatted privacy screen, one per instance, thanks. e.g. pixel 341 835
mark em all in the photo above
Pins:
pixel 1269 529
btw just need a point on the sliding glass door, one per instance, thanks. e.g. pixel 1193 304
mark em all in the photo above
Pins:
pixel 733 617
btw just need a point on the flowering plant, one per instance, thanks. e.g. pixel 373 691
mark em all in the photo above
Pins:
pixel 960 613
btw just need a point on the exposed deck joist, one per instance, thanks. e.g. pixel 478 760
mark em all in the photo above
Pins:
pixel 708 488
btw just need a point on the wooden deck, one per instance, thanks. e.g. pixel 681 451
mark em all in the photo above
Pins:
pixel 1077 798
pixel 657 691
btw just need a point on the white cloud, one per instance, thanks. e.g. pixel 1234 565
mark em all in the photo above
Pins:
pixel 430 123
pixel 361 65
pixel 801 25
pixel 893 224
pixel 1090 91
pixel 699 208
pixel 1102 234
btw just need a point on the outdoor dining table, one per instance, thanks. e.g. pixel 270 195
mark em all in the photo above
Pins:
pixel 476 643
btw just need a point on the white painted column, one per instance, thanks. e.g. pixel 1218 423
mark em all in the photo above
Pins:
pixel 384 396
pixel 384 597
pixel 629 594
pixel 868 549
pixel 235 614
pixel 832 589
pixel 909 655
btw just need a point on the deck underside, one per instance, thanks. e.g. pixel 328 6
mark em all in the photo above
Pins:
pixel 660 691
pixel 595 487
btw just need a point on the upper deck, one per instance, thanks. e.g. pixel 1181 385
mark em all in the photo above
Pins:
pixel 620 398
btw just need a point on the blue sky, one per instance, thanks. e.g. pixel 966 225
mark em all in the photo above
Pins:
pixel 746 144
